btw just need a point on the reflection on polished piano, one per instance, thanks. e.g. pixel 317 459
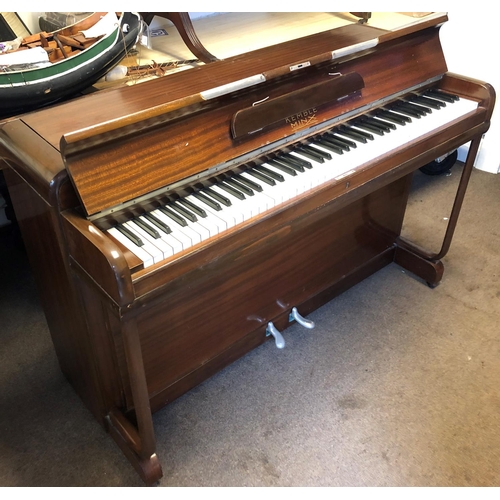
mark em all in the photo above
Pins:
pixel 175 225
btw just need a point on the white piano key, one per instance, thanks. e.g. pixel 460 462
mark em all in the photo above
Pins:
pixel 188 230
pixel 163 243
pixel 266 202
pixel 195 226
pixel 237 210
pixel 250 205
pixel 216 223
pixel 228 217
pixel 177 233
pixel 139 252
pixel 169 239
pixel 277 193
pixel 318 174
pixel 205 228
pixel 292 184
pixel 150 247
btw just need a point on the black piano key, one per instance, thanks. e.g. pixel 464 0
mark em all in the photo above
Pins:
pixel 426 101
pixel 357 135
pixel 130 235
pixel 269 173
pixel 217 197
pixel 418 107
pixel 401 108
pixel 440 94
pixel 158 223
pixel 297 161
pixel 247 182
pixel 262 177
pixel 379 123
pixel 183 211
pixel 295 166
pixel 193 207
pixel 411 107
pixel 207 201
pixel 351 144
pixel 367 127
pixel 231 190
pixel 284 168
pixel 313 156
pixel 336 142
pixel 393 117
pixel 239 186
pixel 315 151
pixel 173 216
pixel 329 145
pixel 146 227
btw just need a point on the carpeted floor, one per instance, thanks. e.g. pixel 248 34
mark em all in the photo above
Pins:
pixel 398 384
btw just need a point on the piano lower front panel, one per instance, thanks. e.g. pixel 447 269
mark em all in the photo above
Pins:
pixel 220 310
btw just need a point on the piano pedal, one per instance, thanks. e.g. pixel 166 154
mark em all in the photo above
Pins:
pixel 296 316
pixel 272 330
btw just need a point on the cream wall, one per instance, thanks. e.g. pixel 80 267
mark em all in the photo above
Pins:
pixel 470 41
pixel 30 19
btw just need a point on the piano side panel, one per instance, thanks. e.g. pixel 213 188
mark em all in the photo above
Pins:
pixel 66 319
pixel 223 306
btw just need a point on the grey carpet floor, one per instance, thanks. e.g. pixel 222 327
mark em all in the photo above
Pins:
pixel 398 384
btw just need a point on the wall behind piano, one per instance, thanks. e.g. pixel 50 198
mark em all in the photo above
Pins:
pixel 470 45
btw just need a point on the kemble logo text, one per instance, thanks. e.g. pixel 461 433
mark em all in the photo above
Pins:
pixel 303 119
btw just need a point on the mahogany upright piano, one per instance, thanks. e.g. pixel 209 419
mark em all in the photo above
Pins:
pixel 175 225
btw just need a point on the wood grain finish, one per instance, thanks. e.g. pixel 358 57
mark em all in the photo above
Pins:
pixel 130 339
pixel 297 104
pixel 176 150
pixel 243 290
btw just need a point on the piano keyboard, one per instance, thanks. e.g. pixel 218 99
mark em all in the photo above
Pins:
pixel 330 155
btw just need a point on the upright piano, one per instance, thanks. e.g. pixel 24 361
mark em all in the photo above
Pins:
pixel 175 225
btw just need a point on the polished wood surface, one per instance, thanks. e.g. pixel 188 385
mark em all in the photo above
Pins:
pixel 176 150
pixel 131 339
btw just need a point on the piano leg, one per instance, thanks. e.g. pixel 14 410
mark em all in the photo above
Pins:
pixel 137 443
pixel 409 256
pixel 419 261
